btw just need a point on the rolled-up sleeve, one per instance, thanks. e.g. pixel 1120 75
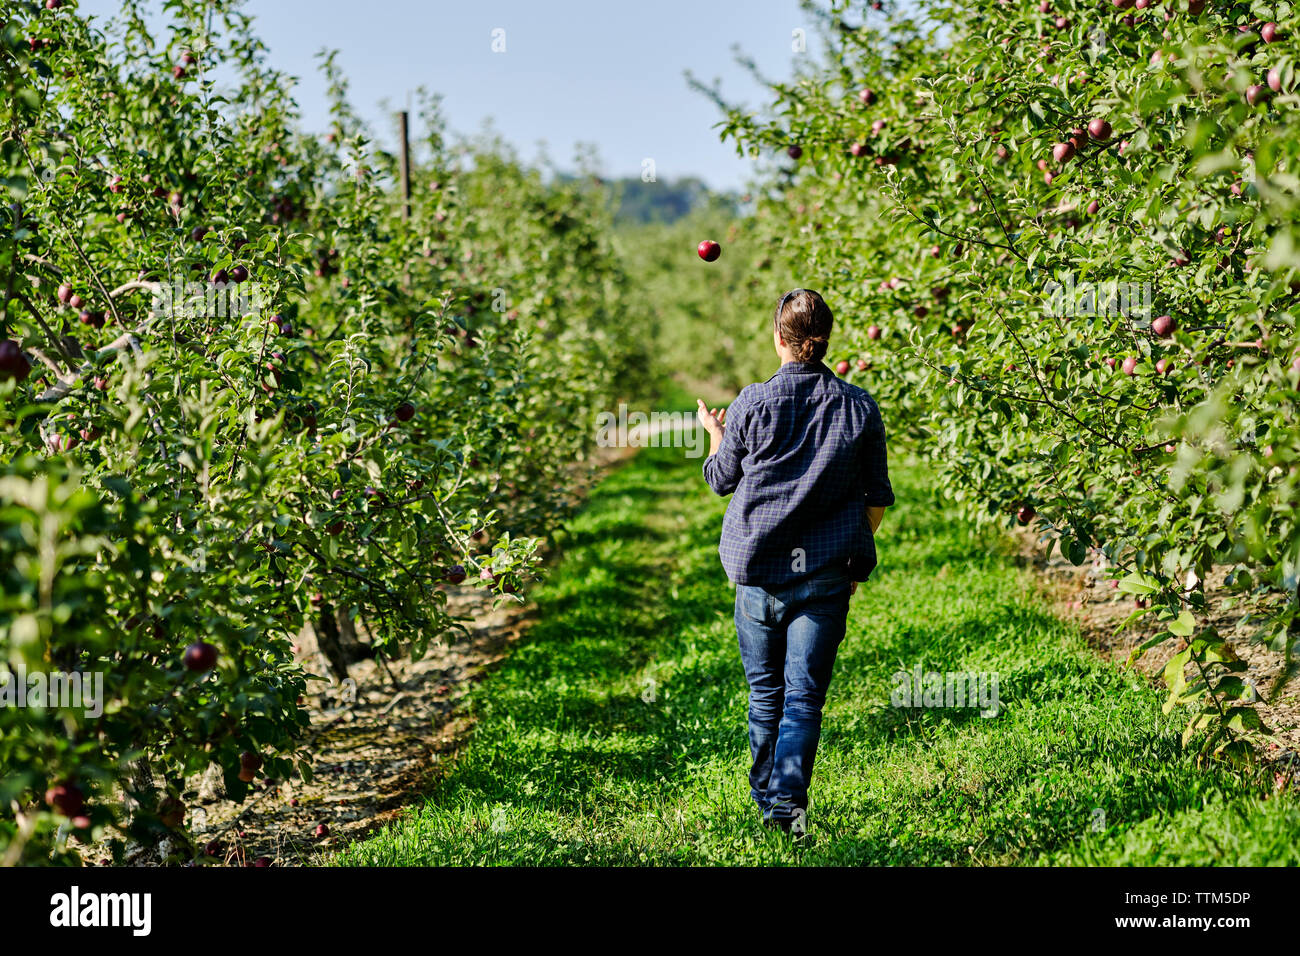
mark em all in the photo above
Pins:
pixel 875 467
pixel 724 470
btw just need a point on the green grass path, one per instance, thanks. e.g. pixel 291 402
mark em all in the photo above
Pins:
pixel 615 733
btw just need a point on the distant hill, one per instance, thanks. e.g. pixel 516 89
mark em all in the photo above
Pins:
pixel 664 201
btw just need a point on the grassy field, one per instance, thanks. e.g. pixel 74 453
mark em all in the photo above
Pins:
pixel 615 734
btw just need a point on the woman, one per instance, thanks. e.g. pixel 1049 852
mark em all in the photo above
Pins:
pixel 804 455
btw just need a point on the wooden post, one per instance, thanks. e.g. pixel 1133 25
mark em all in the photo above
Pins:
pixel 406 165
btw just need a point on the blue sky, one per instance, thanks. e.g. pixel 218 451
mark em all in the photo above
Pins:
pixel 605 73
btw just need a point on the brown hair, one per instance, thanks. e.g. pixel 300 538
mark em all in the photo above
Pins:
pixel 804 321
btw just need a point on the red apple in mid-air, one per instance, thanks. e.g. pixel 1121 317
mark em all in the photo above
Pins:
pixel 794 152
pixel 13 363
pixel 322 831
pixel 873 332
pixel 1026 514
pixel 200 656
pixel 455 574
pixel 842 368
pixel 867 96
pixel 709 250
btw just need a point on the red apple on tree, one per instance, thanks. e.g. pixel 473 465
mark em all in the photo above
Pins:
pixel 171 812
pixel 1099 129
pixel 404 412
pixel 1130 365
pixel 873 332
pixel 1163 325
pixel 1268 32
pixel 13 362
pixel 1063 152
pixel 200 656
pixel 65 797
pixel 455 574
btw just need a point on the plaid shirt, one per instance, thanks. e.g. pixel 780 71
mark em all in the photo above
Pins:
pixel 804 453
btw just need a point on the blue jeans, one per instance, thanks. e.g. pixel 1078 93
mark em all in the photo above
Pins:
pixel 788 641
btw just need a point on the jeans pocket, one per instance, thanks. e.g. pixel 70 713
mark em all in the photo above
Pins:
pixel 751 603
pixel 829 585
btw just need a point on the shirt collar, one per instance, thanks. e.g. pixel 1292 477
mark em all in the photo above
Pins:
pixel 804 368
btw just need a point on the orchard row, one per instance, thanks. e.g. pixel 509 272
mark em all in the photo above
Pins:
pixel 942 179
pixel 247 387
